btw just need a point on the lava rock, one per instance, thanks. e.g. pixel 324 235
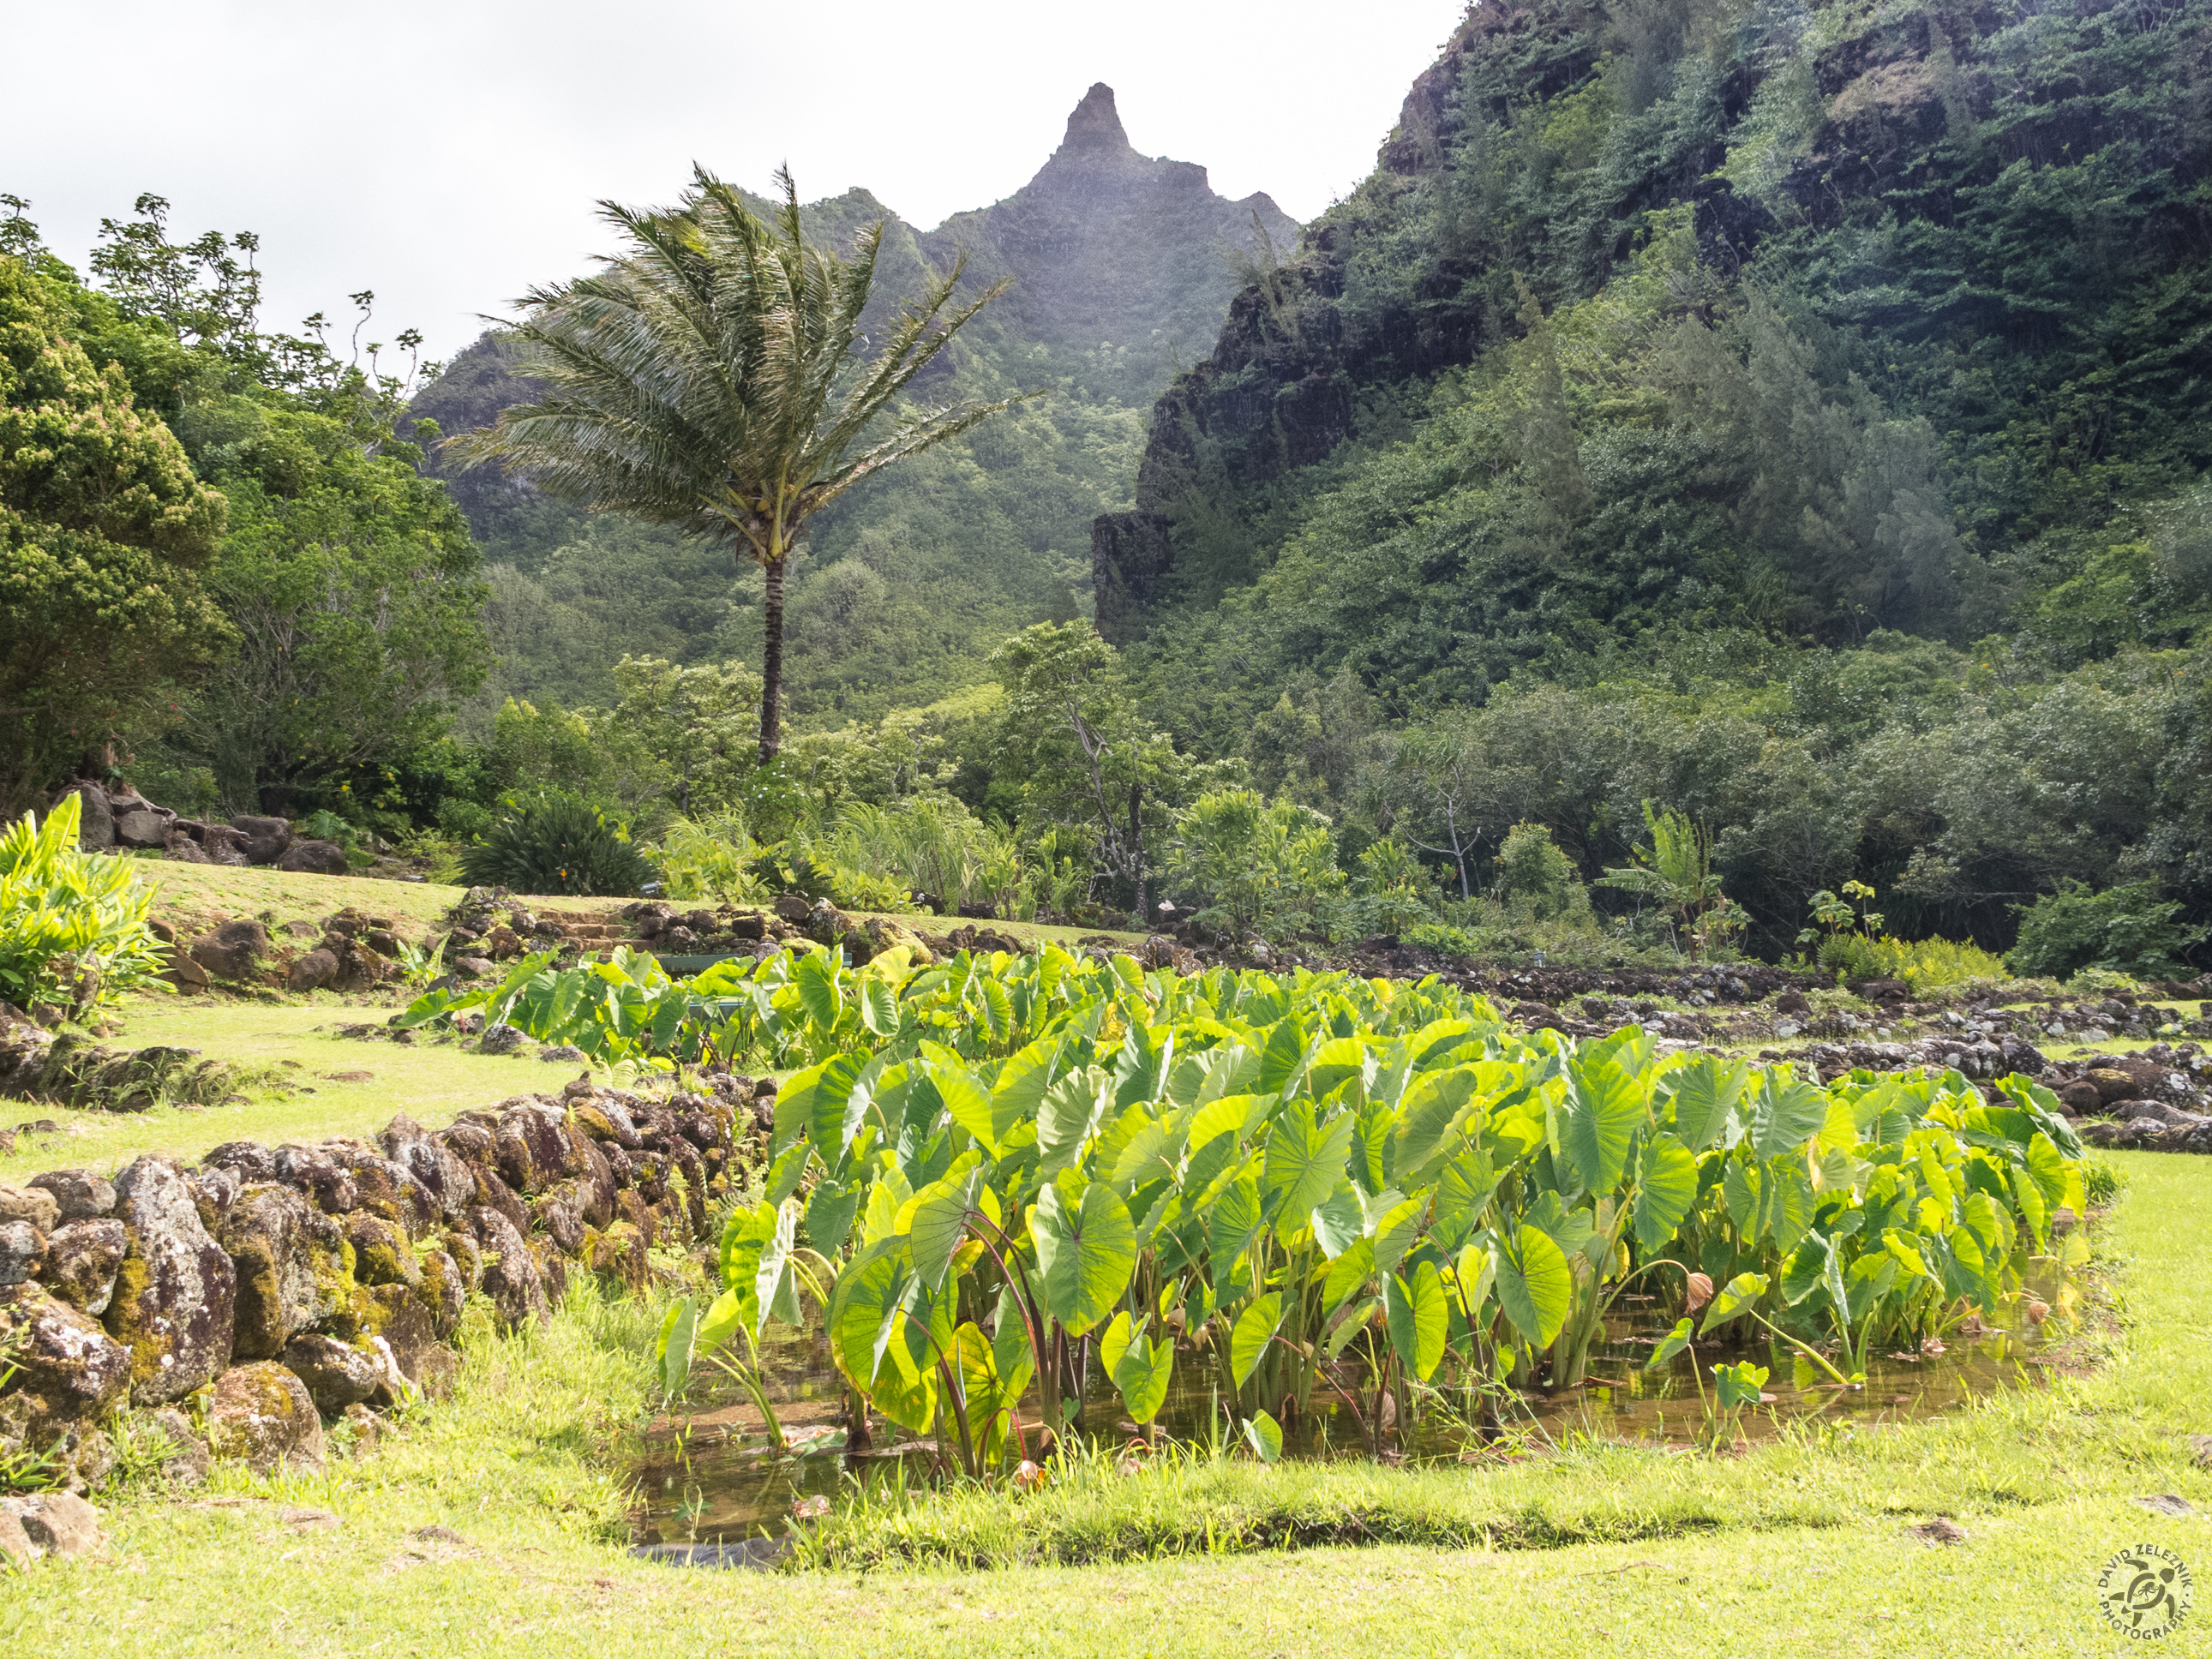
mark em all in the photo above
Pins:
pixel 336 1374
pixel 79 1195
pixel 176 1294
pixel 83 1261
pixel 289 1259
pixel 311 971
pixel 233 950
pixel 314 858
pixel 262 1415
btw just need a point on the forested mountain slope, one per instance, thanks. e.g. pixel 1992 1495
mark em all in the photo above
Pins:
pixel 1810 320
pixel 1121 267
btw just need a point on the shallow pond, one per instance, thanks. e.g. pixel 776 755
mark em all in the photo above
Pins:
pixel 707 1472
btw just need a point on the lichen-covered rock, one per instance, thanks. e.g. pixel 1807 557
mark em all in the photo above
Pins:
pixel 261 1415
pixel 83 1259
pixel 559 1214
pixel 57 1524
pixel 16 1548
pixel 32 1206
pixel 310 971
pixel 67 1369
pixel 618 1254
pixel 396 1321
pixel 313 1171
pixel 444 1290
pixel 22 1251
pixel 511 1278
pixel 534 1148
pixel 249 1160
pixel 336 1374
pixel 291 1265
pixel 185 1464
pixel 441 1173
pixel 175 1296
pixel 381 1253
pixel 78 1195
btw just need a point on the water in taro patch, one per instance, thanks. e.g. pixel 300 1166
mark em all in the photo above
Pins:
pixel 707 1473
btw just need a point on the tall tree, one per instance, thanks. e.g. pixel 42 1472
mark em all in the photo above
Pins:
pixel 709 378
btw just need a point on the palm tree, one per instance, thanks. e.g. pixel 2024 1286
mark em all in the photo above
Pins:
pixel 709 378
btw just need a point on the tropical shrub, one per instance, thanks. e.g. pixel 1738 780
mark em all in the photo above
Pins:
pixel 1532 871
pixel 556 844
pixel 2125 930
pixel 710 858
pixel 73 928
pixel 1252 864
pixel 1357 1184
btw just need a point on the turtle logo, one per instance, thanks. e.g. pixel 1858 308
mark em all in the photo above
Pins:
pixel 2144 1592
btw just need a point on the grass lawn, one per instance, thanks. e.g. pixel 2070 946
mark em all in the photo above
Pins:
pixel 275 1041
pixel 1797 1547
pixel 192 898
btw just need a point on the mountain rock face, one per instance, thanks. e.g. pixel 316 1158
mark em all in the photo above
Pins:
pixel 1120 267
pixel 1105 246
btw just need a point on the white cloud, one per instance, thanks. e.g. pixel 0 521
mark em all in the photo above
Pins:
pixel 448 156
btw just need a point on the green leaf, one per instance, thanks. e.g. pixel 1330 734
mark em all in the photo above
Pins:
pixel 1280 1058
pixel 1802 1273
pixel 1785 1115
pixel 673 1352
pixel 1598 1119
pixel 1533 1285
pixel 968 1105
pixel 1666 1188
pixel 1264 1436
pixel 1086 1250
pixel 940 1220
pixel 1703 1098
pixel 1347 1274
pixel 1425 1118
pixel 1141 1370
pixel 1735 1296
pixel 1236 1220
pixel 1336 1221
pixel 1419 1318
pixel 1304 1163
pixel 816 979
pixel 829 1215
pixel 1247 1341
pixel 1350 1325
pixel 1396 1232
pixel 878 1007
pixel 1670 1345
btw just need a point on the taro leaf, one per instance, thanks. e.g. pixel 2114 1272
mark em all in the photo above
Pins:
pixel 1334 1062
pixel 1666 1188
pixel 1598 1120
pixel 968 1105
pixel 1368 1144
pixel 1533 1285
pixel 812 1103
pixel 940 1219
pixel 1477 1273
pixel 1012 1356
pixel 2029 1196
pixel 1735 1296
pixel 1785 1115
pixel 1904 1249
pixel 1304 1162
pixel 1144 1157
pixel 1248 1341
pixel 998 1011
pixel 719 1323
pixel 878 1007
pixel 1806 1269
pixel 1353 1322
pixel 1264 1436
pixel 1347 1274
pixel 1670 1345
pixel 1426 1117
pixel 815 977
pixel 1336 1221
pixel 1464 1188
pixel 1419 1318
pixel 673 1352
pixel 1703 1098
pixel 1869 1282
pixel 1019 1091
pixel 786 1173
pixel 1280 1061
pixel 1086 1250
pixel 1396 1232
pixel 976 1366
pixel 1141 1371
pixel 1236 1222
pixel 1071 1111
pixel 829 1215
pixel 1739 1385
pixel 1229 1114
pixel 1740 1191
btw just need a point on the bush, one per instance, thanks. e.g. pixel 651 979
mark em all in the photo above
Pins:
pixel 710 858
pixel 1254 865
pixel 556 844
pixel 2122 930
pixel 1532 871
pixel 73 927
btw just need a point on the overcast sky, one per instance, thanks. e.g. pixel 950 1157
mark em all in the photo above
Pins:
pixel 447 156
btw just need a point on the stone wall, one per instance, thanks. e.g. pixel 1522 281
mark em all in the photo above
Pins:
pixel 238 1304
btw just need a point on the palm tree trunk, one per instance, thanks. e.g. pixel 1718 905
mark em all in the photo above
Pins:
pixel 772 666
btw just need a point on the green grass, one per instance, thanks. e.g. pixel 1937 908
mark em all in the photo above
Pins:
pixel 1792 1548
pixel 274 1040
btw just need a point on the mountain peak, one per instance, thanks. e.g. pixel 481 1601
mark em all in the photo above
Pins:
pixel 1095 124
